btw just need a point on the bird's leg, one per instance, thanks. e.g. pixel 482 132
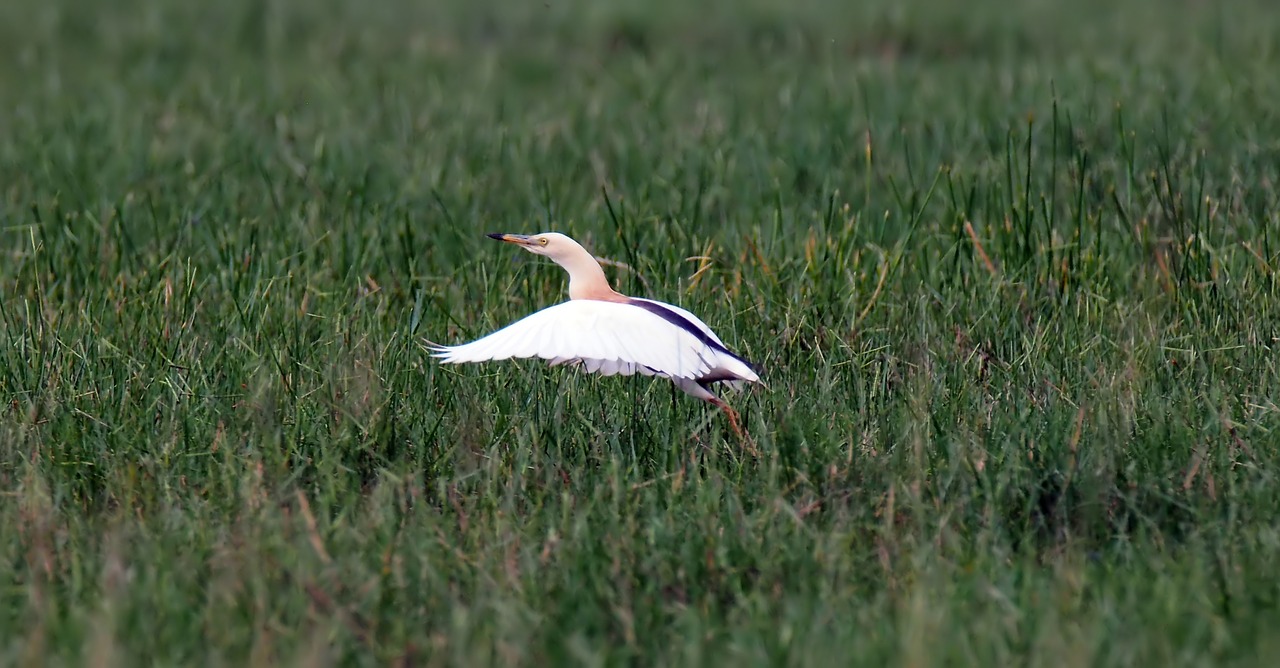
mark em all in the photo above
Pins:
pixel 733 422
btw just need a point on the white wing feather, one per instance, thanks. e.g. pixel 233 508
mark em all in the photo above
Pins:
pixel 691 317
pixel 606 337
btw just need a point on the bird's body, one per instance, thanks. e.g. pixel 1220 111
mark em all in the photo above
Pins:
pixel 610 333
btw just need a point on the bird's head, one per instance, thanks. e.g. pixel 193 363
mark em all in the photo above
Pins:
pixel 586 279
pixel 551 244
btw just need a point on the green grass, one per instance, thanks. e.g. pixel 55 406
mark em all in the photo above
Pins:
pixel 1009 272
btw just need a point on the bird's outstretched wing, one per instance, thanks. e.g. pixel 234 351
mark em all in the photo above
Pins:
pixel 606 337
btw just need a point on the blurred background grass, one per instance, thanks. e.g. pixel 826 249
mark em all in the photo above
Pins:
pixel 1009 269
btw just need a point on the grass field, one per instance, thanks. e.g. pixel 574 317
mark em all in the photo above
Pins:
pixel 1009 270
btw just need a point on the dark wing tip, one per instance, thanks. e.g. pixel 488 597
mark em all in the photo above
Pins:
pixel 683 323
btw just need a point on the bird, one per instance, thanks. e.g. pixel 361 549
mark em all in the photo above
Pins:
pixel 609 333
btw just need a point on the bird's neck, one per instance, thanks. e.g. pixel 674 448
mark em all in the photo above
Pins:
pixel 587 280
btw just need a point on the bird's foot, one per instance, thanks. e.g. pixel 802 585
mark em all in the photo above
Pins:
pixel 743 436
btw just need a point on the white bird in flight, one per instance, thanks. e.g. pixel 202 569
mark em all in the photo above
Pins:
pixel 610 333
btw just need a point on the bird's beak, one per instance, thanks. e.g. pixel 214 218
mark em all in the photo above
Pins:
pixel 517 239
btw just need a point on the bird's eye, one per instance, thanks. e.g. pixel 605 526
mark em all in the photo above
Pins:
pixel 543 241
